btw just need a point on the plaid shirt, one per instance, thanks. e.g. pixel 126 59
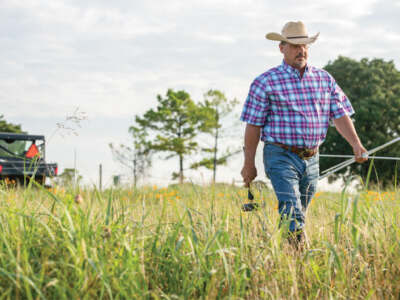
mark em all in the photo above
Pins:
pixel 295 111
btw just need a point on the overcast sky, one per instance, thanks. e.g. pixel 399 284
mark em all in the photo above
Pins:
pixel 110 59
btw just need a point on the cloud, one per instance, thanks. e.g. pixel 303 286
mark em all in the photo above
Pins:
pixel 111 58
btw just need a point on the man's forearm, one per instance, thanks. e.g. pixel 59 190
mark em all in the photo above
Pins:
pixel 251 139
pixel 345 127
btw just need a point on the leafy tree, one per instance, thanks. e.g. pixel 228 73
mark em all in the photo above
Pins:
pixel 67 177
pixel 174 123
pixel 373 87
pixel 9 127
pixel 217 107
pixel 136 157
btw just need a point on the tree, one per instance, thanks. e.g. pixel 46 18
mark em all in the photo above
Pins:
pixel 373 87
pixel 174 124
pixel 136 157
pixel 217 107
pixel 9 127
pixel 68 177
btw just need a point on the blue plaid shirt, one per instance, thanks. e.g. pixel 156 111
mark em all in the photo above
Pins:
pixel 295 111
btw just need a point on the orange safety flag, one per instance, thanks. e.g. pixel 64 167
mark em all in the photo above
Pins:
pixel 32 151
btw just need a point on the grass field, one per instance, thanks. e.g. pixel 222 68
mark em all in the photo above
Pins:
pixel 192 242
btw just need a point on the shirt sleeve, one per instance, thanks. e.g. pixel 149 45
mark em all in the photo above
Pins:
pixel 255 108
pixel 339 105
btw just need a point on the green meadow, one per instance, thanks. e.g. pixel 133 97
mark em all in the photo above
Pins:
pixel 194 242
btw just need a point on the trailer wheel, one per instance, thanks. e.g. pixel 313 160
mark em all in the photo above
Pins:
pixel 40 179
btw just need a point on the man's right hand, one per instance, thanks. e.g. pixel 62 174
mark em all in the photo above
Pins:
pixel 249 172
pixel 251 138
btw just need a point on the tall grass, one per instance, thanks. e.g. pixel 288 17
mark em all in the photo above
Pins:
pixel 191 242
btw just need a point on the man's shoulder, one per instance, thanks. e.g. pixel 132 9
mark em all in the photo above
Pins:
pixel 269 74
pixel 320 73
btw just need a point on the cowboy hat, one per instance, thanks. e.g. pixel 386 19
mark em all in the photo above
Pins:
pixel 293 33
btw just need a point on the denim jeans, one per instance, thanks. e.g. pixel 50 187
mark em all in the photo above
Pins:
pixel 294 181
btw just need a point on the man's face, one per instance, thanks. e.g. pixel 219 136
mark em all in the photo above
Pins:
pixel 295 55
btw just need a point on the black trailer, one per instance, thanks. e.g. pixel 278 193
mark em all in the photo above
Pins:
pixel 23 156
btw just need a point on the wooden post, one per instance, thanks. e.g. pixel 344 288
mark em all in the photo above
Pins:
pixel 75 168
pixel 100 177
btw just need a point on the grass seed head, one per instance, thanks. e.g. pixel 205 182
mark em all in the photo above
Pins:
pixel 78 199
pixel 106 233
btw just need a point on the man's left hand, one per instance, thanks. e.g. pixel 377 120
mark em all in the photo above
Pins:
pixel 360 153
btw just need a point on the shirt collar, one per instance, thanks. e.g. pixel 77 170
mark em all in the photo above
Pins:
pixel 292 70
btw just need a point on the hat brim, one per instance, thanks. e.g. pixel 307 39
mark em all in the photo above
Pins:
pixel 298 41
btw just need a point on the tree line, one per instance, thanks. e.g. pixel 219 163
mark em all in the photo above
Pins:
pixel 174 126
pixel 373 87
pixel 9 127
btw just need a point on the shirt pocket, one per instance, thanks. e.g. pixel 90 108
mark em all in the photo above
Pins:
pixel 279 102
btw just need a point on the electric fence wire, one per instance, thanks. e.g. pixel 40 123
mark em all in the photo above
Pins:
pixel 348 162
pixel 351 156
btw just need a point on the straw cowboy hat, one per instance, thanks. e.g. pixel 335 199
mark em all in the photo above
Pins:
pixel 293 33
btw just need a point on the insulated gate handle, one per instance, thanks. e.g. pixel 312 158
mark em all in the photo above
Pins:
pixel 250 206
pixel 250 195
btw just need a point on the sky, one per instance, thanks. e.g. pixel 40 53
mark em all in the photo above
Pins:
pixel 103 62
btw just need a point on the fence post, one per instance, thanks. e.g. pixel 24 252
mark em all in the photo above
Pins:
pixel 100 177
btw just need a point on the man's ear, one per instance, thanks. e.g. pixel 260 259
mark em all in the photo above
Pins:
pixel 281 48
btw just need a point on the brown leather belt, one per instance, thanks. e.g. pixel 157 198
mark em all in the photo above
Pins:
pixel 303 153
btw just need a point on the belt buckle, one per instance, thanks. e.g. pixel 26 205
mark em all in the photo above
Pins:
pixel 301 154
pixel 306 153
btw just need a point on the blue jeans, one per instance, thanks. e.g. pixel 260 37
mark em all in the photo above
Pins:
pixel 294 181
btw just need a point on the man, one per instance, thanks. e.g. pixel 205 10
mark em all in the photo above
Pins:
pixel 289 107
